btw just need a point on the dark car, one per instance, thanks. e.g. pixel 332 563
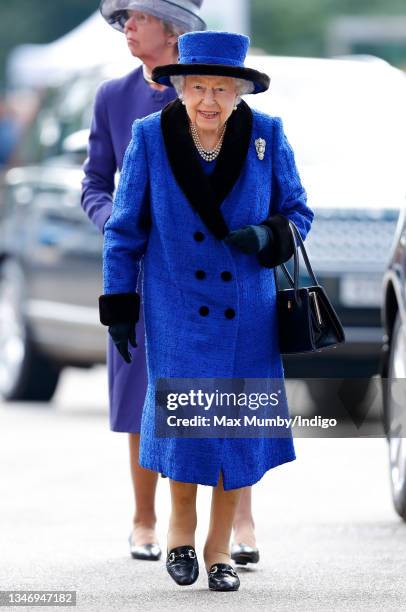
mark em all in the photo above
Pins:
pixel 341 117
pixel 50 254
pixel 393 370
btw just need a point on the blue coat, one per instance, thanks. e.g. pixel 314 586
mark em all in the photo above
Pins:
pixel 168 212
pixel 118 103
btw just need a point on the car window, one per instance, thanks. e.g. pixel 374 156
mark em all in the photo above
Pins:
pixel 63 112
pixel 42 133
pixel 76 106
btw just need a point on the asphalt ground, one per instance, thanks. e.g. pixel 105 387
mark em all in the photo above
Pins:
pixel 328 536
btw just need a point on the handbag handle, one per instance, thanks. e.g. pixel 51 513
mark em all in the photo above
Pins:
pixel 294 282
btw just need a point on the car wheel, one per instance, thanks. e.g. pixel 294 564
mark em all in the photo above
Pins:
pixel 25 374
pixel 339 397
pixel 396 416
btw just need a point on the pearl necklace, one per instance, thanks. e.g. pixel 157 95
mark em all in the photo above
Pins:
pixel 208 155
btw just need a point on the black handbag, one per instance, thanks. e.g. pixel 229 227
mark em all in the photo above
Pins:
pixel 307 321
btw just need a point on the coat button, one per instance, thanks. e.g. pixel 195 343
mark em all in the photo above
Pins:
pixel 198 236
pixel 204 311
pixel 226 276
pixel 200 274
pixel 229 313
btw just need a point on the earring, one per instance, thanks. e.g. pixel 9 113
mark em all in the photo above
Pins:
pixel 235 107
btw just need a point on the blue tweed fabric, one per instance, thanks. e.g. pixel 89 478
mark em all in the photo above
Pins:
pixel 153 219
pixel 209 47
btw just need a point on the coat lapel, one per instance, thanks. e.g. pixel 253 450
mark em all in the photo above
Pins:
pixel 206 193
pixel 233 153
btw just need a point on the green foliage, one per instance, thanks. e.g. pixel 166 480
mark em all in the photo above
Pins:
pixel 298 27
pixel 38 21
pixel 289 27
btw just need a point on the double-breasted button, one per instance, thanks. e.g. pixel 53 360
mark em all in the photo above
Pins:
pixel 203 311
pixel 198 236
pixel 200 274
pixel 229 313
pixel 226 276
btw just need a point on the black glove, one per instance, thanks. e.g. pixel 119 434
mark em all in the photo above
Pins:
pixel 122 334
pixel 251 239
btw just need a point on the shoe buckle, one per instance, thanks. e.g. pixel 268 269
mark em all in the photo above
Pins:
pixel 172 557
pixel 231 571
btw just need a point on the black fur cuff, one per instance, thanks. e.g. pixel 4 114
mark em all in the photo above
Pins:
pixel 281 246
pixel 119 308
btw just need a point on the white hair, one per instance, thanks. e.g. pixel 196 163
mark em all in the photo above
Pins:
pixel 242 86
pixel 173 29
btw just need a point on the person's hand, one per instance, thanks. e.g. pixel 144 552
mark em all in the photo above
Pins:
pixel 122 334
pixel 251 239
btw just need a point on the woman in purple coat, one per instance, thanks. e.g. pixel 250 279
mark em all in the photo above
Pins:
pixel 152 28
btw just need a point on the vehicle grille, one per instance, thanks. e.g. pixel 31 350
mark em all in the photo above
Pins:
pixel 351 239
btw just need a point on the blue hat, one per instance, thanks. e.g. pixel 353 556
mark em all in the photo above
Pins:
pixel 212 54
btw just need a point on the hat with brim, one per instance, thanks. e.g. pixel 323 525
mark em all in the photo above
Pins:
pixel 212 54
pixel 182 13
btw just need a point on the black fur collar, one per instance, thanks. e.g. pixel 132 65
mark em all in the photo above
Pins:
pixel 206 193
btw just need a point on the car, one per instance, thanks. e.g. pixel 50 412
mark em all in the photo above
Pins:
pixel 346 122
pixel 393 365
pixel 50 254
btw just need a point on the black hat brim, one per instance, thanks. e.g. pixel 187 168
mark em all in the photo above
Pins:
pixel 162 74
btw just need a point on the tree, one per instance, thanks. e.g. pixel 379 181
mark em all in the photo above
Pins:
pixel 40 21
pixel 297 27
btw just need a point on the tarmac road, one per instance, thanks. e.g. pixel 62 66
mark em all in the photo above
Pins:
pixel 329 538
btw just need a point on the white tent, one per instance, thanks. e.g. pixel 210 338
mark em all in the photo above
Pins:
pixel 94 42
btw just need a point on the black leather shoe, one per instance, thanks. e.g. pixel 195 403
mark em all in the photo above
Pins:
pixel 182 565
pixel 223 577
pixel 145 552
pixel 243 554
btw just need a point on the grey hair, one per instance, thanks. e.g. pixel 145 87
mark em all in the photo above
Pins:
pixel 242 86
pixel 172 29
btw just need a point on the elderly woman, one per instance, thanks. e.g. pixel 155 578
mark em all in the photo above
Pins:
pixel 206 193
pixel 151 29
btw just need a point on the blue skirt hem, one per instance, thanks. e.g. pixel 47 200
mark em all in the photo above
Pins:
pixel 228 484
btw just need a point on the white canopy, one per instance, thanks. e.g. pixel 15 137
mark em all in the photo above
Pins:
pixel 88 45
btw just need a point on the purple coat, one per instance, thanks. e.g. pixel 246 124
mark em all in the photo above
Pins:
pixel 118 103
